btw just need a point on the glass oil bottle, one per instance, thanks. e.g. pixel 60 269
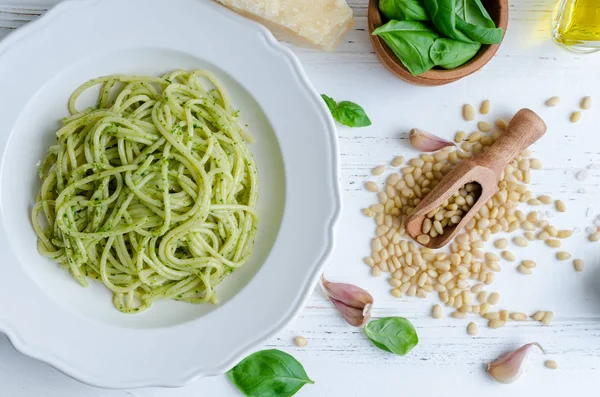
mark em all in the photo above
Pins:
pixel 576 25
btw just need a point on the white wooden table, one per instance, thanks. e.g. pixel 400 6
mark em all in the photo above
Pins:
pixel 528 69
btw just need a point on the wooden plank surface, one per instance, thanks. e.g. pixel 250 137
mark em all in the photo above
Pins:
pixel 528 69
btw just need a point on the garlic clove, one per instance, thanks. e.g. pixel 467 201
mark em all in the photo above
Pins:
pixel 509 367
pixel 427 142
pixel 352 302
pixel 353 316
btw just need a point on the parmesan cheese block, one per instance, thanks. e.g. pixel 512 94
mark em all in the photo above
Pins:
pixel 313 23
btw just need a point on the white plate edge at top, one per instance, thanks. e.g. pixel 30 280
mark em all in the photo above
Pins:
pixel 22 346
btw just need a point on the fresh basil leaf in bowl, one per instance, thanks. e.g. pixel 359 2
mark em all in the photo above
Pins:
pixel 403 10
pixel 450 54
pixel 475 22
pixel 347 113
pixel 269 373
pixel 392 334
pixel 411 42
pixel 443 16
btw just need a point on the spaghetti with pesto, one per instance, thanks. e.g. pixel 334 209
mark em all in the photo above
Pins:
pixel 153 191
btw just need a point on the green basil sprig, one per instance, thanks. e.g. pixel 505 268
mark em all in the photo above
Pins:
pixel 450 54
pixel 392 334
pixel 411 42
pixel 403 10
pixel 347 113
pixel 474 21
pixel 443 16
pixel 269 373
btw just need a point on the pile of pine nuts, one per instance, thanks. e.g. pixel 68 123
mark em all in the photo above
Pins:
pixel 460 273
pixel 450 212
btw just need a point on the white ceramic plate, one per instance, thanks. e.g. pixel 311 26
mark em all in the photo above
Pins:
pixel 44 312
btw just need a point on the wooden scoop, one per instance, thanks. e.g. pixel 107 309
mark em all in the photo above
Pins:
pixel 525 128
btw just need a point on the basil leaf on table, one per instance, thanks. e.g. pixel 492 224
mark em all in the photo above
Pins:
pixel 269 373
pixel 450 54
pixel 331 104
pixel 410 41
pixel 347 113
pixel 403 10
pixel 443 16
pixel 474 21
pixel 392 334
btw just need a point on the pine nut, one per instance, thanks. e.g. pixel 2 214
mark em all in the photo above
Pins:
pixel 398 161
pixel 547 319
pixel 378 170
pixel 482 296
pixel 553 101
pixel 524 270
pixel 518 316
pixel 501 243
pixel 575 116
pixel 437 312
pixel 553 243
pixel 491 316
pixel 537 316
pixel 542 224
pixel 494 298
pixel 496 323
pixel 551 364
pixel 564 234
pixel 468 112
pixel 594 236
pixel 586 103
pixel 423 239
pixel 543 235
pixel 459 137
pixel 484 308
pixel 372 187
pixel 368 212
pixel 508 256
pixel 529 264
pixel 526 225
pixel 552 230
pixel 472 329
pixel 529 236
pixel 536 165
pixel 491 257
pixel 460 315
pixel 504 315
pixel 300 341
pixel 376 271
pixel 521 241
pixel 474 137
pixel 578 265
pixel 501 123
pixel 484 126
pixel 485 107
pixel 544 199
pixel 563 256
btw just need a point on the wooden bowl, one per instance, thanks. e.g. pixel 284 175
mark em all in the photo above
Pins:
pixel 498 10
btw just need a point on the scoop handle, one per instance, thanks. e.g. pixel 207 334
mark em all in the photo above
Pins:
pixel 525 128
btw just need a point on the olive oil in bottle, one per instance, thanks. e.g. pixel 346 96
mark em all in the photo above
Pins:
pixel 577 25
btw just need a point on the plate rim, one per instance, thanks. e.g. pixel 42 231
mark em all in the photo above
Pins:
pixel 37 26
